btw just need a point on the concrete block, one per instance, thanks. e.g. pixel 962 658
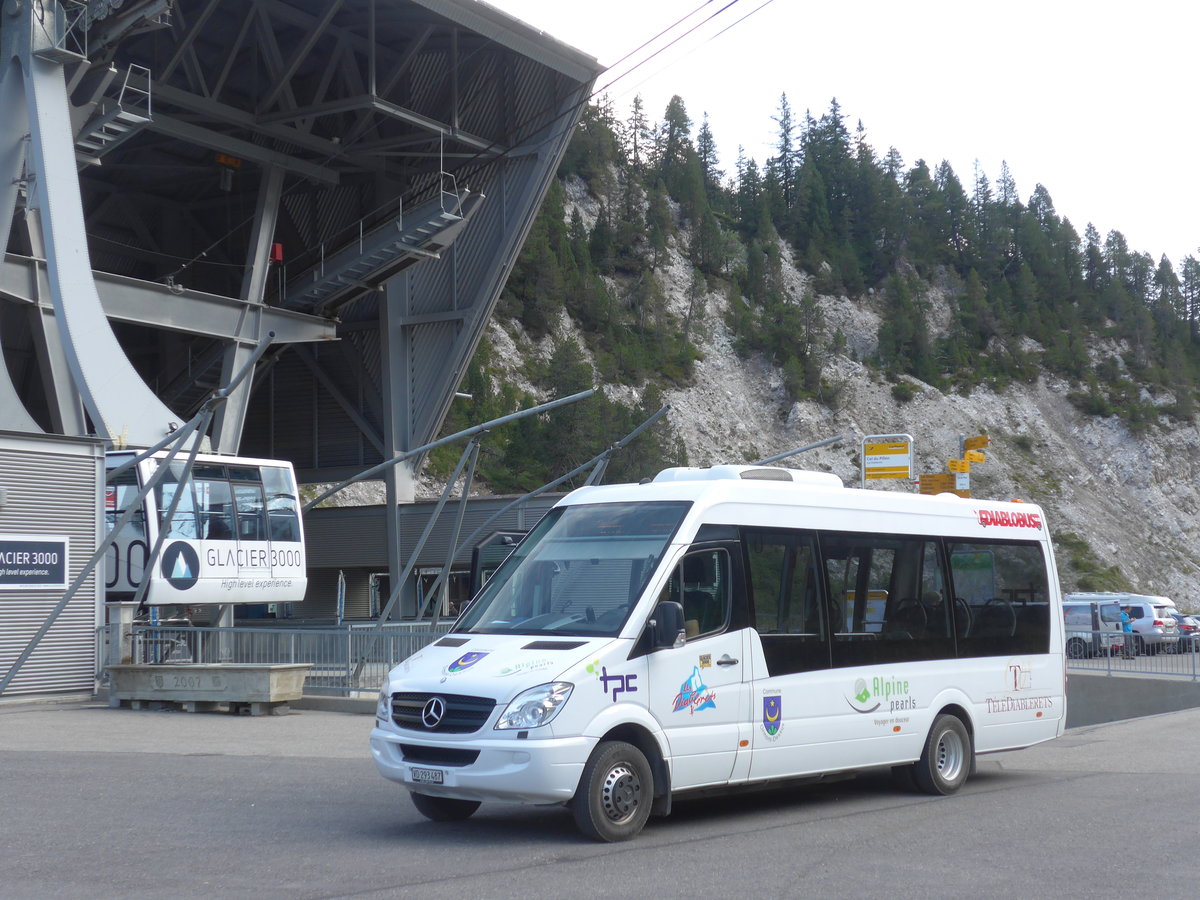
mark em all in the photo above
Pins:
pixel 199 686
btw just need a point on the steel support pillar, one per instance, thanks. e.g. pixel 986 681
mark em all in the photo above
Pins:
pixel 66 410
pixel 12 155
pixel 121 406
pixel 396 382
pixel 227 427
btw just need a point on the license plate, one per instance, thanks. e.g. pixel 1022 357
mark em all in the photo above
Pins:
pixel 427 776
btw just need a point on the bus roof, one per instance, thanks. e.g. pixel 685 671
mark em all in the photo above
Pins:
pixel 760 495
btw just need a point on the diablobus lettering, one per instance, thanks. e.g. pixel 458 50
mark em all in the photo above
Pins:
pixel 1008 519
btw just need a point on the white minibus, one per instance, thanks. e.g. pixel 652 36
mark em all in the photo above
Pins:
pixel 731 626
pixel 1093 626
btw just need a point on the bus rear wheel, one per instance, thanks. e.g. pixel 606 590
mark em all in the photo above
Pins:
pixel 947 758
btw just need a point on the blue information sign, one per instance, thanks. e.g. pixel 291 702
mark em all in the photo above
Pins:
pixel 33 561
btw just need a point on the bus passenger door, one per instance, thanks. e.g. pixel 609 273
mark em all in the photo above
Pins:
pixel 794 697
pixel 698 691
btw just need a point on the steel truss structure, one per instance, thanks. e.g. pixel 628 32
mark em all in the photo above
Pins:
pixel 179 178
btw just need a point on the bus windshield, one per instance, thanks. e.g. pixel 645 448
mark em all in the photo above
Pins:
pixel 579 572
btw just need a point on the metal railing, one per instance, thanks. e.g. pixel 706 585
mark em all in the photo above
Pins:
pixel 343 661
pixel 1179 659
pixel 354 659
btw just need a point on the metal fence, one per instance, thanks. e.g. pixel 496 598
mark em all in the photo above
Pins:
pixel 355 658
pixel 344 661
pixel 1179 659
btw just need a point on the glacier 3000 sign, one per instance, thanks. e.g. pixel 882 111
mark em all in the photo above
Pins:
pixel 1009 519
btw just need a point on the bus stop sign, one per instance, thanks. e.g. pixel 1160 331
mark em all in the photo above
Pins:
pixel 886 456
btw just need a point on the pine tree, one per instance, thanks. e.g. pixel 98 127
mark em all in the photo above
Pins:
pixel 675 140
pixel 783 163
pixel 954 214
pixel 706 150
pixel 637 135
pixel 1190 291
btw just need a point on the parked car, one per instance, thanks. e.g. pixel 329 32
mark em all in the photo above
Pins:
pixel 1093 627
pixel 1189 632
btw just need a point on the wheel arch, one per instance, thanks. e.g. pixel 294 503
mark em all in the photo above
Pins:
pixel 644 739
pixel 959 711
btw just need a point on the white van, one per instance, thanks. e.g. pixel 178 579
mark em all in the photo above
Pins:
pixel 1093 626
pixel 728 626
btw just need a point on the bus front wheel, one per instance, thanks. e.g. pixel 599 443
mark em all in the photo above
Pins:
pixel 946 760
pixel 615 793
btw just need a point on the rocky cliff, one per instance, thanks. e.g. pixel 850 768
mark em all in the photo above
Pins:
pixel 1123 507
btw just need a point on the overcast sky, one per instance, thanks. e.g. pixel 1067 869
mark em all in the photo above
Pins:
pixel 1095 100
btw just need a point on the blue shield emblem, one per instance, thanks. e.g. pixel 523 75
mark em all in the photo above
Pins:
pixel 772 718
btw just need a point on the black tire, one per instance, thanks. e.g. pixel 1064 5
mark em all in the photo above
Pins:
pixel 615 793
pixel 443 809
pixel 1077 648
pixel 947 759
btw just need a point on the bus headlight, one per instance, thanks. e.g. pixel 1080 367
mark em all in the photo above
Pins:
pixel 536 706
pixel 382 710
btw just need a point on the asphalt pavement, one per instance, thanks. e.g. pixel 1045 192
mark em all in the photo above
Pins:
pixel 99 803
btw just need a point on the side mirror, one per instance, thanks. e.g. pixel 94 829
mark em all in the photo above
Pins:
pixel 666 626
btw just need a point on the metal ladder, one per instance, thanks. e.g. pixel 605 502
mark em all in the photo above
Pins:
pixel 116 121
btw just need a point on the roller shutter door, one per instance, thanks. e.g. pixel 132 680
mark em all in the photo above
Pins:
pixel 51 487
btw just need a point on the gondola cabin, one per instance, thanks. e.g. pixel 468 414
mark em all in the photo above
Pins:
pixel 234 536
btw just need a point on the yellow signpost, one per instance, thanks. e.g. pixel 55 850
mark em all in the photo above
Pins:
pixel 937 483
pixel 976 443
pixel 958 465
pixel 886 456
pixel 975 456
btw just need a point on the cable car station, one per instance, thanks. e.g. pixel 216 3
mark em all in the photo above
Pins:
pixel 247 245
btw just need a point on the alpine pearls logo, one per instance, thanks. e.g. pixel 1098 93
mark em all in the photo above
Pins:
pixel 180 565
pixel 894 693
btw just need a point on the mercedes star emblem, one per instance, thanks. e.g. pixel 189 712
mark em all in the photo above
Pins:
pixel 433 712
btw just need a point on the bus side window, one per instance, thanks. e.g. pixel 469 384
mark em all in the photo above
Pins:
pixel 1004 586
pixel 705 591
pixel 889 586
pixel 786 596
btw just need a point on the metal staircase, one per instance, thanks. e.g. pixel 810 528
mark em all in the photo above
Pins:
pixel 365 263
pixel 116 120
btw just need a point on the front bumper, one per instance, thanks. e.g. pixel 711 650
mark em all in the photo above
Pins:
pixel 509 769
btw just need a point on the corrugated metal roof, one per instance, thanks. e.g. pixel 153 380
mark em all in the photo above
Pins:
pixel 519 36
